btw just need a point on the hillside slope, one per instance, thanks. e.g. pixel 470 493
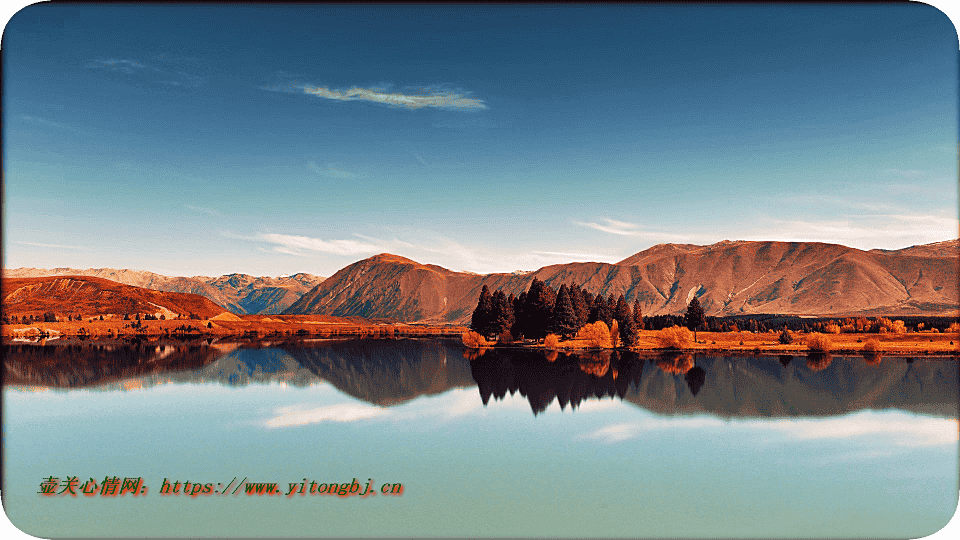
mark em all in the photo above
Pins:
pixel 729 278
pixel 89 296
pixel 239 293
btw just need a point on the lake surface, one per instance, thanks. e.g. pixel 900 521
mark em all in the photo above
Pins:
pixel 503 443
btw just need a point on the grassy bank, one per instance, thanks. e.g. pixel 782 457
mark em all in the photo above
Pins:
pixel 769 342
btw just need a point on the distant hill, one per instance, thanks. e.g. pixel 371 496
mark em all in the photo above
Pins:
pixel 239 293
pixel 729 278
pixel 88 296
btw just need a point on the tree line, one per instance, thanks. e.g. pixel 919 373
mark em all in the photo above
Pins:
pixel 541 311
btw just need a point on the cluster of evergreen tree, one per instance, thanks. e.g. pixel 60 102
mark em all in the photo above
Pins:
pixel 541 311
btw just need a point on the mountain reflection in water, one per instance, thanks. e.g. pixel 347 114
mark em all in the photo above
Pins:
pixel 388 372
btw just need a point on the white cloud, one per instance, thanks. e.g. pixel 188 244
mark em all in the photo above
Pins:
pixel 630 229
pixel 630 430
pixel 890 231
pixel 577 257
pixel 345 412
pixel 613 227
pixel 295 245
pixel 116 64
pixel 438 99
pixel 898 429
pixel 903 430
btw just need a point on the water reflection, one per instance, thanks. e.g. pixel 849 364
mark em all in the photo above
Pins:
pixel 388 372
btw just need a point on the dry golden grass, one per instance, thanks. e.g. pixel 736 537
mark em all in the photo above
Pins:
pixel 114 326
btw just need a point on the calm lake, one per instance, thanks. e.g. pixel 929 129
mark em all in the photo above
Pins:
pixel 503 443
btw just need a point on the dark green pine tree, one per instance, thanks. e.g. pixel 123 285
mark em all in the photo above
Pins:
pixel 480 322
pixel 694 317
pixel 628 330
pixel 537 309
pixel 637 315
pixel 563 320
pixel 501 318
pixel 588 300
pixel 582 311
pixel 602 311
pixel 517 330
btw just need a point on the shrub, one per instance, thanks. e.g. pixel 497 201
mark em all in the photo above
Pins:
pixel 675 337
pixel 786 337
pixel 551 341
pixel 596 335
pixel 819 342
pixel 872 346
pixel 831 328
pixel 474 340
pixel 954 327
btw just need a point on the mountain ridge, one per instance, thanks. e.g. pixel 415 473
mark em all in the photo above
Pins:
pixel 239 293
pixel 729 278
pixel 88 295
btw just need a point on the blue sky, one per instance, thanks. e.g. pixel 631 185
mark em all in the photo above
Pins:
pixel 205 140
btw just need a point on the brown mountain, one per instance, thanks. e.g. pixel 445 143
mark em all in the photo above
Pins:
pixel 239 293
pixel 729 278
pixel 85 295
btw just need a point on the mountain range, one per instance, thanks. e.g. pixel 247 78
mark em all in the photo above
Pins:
pixel 238 293
pixel 728 278
pixel 88 296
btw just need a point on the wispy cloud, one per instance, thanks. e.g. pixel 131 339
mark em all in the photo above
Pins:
pixel 331 171
pixel 302 245
pixel 50 123
pixel 630 430
pixel 902 430
pixel 578 257
pixel 170 74
pixel 58 246
pixel 117 64
pixel 421 160
pixel 896 428
pixel 624 228
pixel 441 99
pixel 613 227
pixel 345 412
pixel 891 231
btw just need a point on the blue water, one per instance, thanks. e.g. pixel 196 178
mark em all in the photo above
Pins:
pixel 662 461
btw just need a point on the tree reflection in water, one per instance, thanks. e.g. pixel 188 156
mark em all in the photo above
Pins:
pixel 818 361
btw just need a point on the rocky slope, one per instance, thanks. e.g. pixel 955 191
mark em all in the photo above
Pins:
pixel 239 293
pixel 89 296
pixel 729 278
